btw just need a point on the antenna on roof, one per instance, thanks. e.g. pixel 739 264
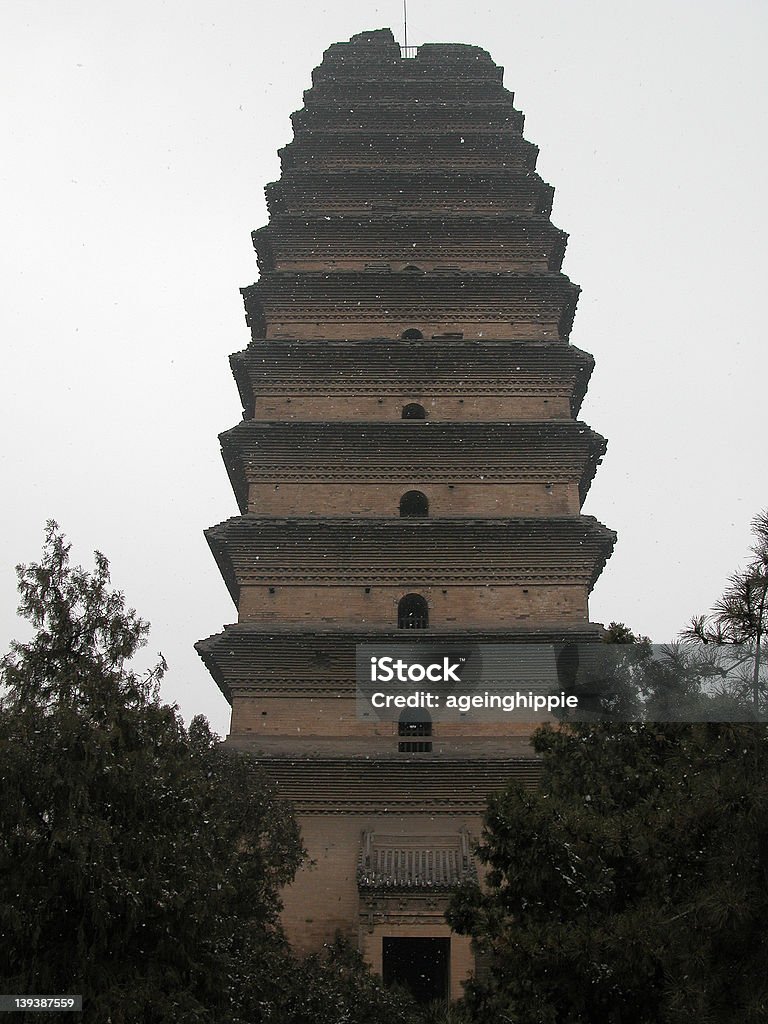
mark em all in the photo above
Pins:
pixel 405 25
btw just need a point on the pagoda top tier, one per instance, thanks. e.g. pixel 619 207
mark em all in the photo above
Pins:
pixel 409 203
pixel 378 52
pixel 442 106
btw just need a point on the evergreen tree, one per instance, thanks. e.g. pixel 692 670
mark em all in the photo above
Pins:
pixel 336 986
pixel 139 861
pixel 632 887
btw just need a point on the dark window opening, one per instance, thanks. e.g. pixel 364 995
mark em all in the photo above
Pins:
pixel 414 747
pixel 413 730
pixel 420 965
pixel 409 726
pixel 411 335
pixel 414 505
pixel 412 612
pixel 414 411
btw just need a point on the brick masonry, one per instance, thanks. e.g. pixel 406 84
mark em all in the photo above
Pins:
pixel 409 258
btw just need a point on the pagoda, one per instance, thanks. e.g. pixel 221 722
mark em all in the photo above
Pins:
pixel 409 459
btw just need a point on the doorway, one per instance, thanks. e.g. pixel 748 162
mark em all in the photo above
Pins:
pixel 420 965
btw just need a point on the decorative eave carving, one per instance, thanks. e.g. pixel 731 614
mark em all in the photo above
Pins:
pixel 453 195
pixel 518 154
pixel 430 119
pixel 293 661
pixel 384 367
pixel 357 108
pixel 334 93
pixel 550 452
pixel 252 550
pixel 508 239
pixel 475 147
pixel 400 786
pixel 291 298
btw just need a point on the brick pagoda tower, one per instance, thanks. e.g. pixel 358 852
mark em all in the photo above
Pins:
pixel 409 458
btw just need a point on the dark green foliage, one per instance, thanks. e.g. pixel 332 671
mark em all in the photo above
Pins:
pixel 337 987
pixel 619 633
pixel 633 887
pixel 140 861
pixel 444 1013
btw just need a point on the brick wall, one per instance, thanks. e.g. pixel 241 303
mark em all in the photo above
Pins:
pixel 377 499
pixel 338 330
pixel 458 606
pixel 336 717
pixel 449 408
pixel 324 897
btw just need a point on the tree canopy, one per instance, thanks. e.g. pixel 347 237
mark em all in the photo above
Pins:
pixel 142 862
pixel 632 887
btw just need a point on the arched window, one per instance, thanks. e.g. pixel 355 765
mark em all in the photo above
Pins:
pixel 412 727
pixel 412 612
pixel 411 335
pixel 414 505
pixel 414 411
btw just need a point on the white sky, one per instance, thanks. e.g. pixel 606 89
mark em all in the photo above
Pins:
pixel 137 140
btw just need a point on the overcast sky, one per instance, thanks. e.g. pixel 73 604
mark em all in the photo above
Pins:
pixel 137 139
